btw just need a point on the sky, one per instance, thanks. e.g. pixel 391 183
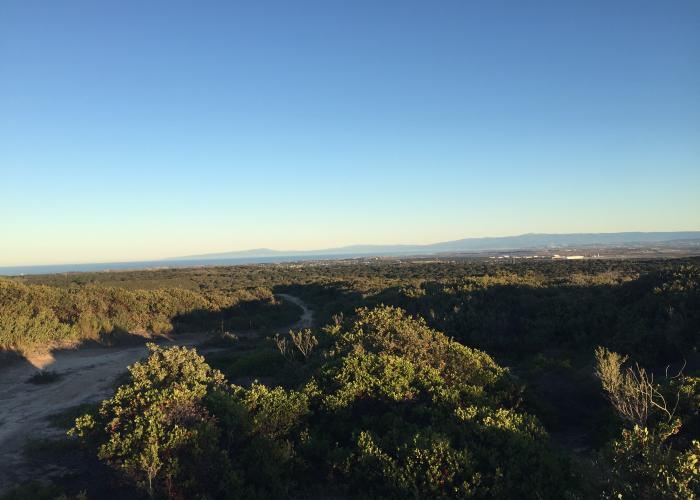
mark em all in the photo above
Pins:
pixel 137 130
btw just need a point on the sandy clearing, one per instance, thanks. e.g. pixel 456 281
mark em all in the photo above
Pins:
pixel 86 376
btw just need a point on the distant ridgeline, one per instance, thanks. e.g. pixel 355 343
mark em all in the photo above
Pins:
pixel 521 242
pixel 688 241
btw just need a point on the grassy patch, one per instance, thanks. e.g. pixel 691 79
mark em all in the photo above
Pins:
pixel 225 339
pixel 43 448
pixel 44 377
pixel 66 418
pixel 34 490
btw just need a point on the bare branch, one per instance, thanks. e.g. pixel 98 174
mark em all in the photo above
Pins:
pixel 304 340
pixel 631 391
pixel 284 346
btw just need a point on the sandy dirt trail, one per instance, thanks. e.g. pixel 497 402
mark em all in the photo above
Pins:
pixel 86 376
pixel 307 317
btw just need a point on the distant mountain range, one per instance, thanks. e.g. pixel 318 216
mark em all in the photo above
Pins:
pixel 504 243
pixel 688 241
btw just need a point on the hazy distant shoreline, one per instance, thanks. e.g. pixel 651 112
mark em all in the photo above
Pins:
pixel 683 241
pixel 159 264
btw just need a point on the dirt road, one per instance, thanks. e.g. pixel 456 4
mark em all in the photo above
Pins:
pixel 307 317
pixel 86 376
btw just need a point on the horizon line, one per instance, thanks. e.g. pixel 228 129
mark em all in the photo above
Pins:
pixel 308 253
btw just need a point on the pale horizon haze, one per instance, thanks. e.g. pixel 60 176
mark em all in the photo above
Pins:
pixel 134 131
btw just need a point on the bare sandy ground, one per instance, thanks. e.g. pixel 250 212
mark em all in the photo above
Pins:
pixel 306 319
pixel 86 376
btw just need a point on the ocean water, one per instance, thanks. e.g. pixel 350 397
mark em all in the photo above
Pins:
pixel 161 264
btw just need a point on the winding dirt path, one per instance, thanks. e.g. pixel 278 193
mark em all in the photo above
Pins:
pixel 307 318
pixel 86 376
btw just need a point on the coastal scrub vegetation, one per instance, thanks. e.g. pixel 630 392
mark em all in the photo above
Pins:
pixel 394 409
pixel 419 378
pixel 42 316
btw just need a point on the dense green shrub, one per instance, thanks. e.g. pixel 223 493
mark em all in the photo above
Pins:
pixel 396 410
pixel 178 430
pixel 405 411
pixel 650 459
pixel 687 389
pixel 642 464
pixel 156 430
pixel 37 315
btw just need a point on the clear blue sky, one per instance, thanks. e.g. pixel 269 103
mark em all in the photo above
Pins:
pixel 147 129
